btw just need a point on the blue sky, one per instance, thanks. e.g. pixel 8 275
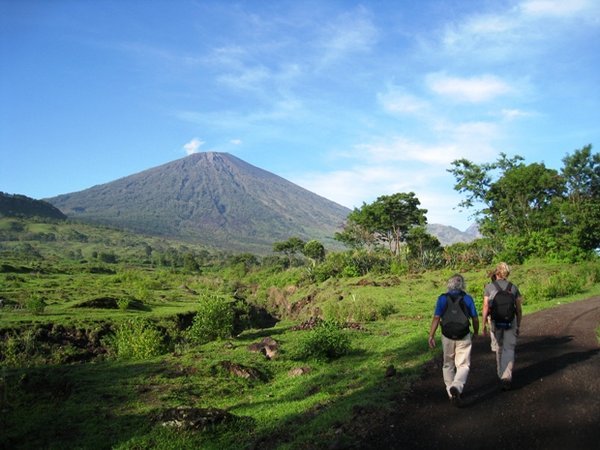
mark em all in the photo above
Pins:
pixel 351 100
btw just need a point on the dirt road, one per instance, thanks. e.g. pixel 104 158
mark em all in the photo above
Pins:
pixel 554 402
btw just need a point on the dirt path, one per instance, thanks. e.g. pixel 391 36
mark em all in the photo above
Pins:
pixel 554 402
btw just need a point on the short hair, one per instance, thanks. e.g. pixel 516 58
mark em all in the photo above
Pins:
pixel 502 270
pixel 456 283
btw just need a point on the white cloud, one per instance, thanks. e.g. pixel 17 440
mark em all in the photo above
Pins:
pixel 512 114
pixel 397 100
pixel 475 89
pixel 247 78
pixel 193 146
pixel 402 149
pixel 236 141
pixel 555 8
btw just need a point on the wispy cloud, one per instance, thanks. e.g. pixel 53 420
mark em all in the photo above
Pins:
pixel 556 8
pixel 193 146
pixel 351 32
pixel 474 89
pixel 397 100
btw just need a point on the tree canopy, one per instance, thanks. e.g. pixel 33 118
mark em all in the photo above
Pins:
pixel 539 208
pixel 386 221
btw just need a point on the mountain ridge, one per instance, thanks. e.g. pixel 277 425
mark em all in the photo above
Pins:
pixel 211 197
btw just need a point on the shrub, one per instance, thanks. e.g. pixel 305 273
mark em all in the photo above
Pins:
pixel 136 339
pixel 326 341
pixel 18 350
pixel 213 320
pixel 123 303
pixel 36 304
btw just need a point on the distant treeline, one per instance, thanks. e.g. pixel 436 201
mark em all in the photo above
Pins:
pixel 15 205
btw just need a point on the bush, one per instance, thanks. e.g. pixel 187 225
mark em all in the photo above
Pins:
pixel 213 320
pixel 326 341
pixel 36 304
pixel 136 339
pixel 18 350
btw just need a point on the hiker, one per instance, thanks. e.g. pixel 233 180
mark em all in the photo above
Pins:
pixel 502 303
pixel 455 310
pixel 493 343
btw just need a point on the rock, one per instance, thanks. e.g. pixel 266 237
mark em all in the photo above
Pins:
pixel 190 418
pixel 268 346
pixel 390 371
pixel 299 371
pixel 242 371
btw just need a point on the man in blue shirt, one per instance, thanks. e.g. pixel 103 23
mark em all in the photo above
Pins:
pixel 455 310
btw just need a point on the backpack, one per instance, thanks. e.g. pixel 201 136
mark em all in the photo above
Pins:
pixel 455 320
pixel 504 306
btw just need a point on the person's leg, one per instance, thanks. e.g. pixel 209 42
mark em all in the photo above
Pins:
pixel 493 343
pixel 507 360
pixel 498 334
pixel 462 360
pixel 448 367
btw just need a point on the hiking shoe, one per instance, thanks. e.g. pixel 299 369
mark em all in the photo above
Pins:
pixel 505 384
pixel 454 396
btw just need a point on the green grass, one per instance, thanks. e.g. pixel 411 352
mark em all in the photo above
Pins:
pixel 108 403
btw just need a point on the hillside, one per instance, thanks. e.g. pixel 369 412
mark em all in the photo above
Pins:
pixel 211 198
pixel 23 206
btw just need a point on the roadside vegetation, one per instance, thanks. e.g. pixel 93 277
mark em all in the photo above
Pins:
pixel 115 340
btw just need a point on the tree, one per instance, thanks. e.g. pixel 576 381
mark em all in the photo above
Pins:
pixel 419 242
pixel 356 236
pixel 581 211
pixel 532 209
pixel 525 199
pixel 314 250
pixel 388 219
pixel 290 247
pixel 522 199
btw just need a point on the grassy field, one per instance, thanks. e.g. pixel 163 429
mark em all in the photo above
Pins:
pixel 63 386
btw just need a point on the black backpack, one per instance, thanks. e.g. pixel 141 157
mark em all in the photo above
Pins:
pixel 504 306
pixel 455 319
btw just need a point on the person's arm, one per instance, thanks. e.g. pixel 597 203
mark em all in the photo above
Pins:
pixel 434 324
pixel 484 314
pixel 519 312
pixel 475 321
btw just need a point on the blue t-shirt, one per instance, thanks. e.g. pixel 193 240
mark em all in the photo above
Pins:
pixel 442 302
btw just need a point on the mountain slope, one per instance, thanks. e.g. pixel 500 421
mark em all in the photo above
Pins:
pixel 448 235
pixel 213 198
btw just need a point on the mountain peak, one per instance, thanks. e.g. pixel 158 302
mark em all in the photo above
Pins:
pixel 210 197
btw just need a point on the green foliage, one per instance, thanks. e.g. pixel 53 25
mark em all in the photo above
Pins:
pixel 18 349
pixel 214 319
pixel 136 339
pixel 388 220
pixel 314 250
pixel 532 210
pixel 36 304
pixel 359 309
pixel 352 263
pixel 327 340
pixel 290 247
pixel 123 304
